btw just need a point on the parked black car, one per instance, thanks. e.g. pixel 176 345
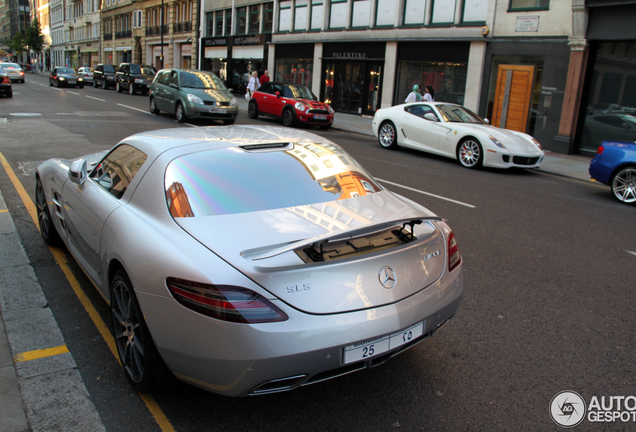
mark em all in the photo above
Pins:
pixel 104 76
pixel 65 77
pixel 5 84
pixel 134 77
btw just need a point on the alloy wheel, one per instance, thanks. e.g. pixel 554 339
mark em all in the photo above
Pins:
pixel 126 326
pixel 624 185
pixel 387 135
pixel 469 153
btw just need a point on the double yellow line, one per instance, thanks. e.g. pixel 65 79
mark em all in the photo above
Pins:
pixel 62 261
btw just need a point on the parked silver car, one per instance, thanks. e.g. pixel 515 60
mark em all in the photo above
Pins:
pixel 189 94
pixel 249 260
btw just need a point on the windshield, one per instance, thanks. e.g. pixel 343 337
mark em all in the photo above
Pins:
pixel 142 69
pixel 65 71
pixel 232 180
pixel 11 65
pixel 201 80
pixel 459 114
pixel 298 92
pixel 109 69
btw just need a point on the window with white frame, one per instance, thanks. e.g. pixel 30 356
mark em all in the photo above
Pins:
pixel 443 12
pixel 284 16
pixel 361 13
pixel 137 19
pixel 475 11
pixel 385 15
pixel 300 15
pixel 338 14
pixel 414 11
pixel 316 14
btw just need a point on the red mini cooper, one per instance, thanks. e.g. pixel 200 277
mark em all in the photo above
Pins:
pixel 294 104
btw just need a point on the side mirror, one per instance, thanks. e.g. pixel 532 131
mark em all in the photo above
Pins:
pixel 431 117
pixel 278 94
pixel 78 172
pixel 487 121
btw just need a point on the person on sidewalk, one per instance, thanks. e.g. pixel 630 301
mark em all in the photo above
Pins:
pixel 253 85
pixel 265 77
pixel 429 96
pixel 414 96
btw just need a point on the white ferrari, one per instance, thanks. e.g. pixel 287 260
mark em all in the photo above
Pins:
pixel 451 130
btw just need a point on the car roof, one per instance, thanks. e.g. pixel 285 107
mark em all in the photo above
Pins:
pixel 154 143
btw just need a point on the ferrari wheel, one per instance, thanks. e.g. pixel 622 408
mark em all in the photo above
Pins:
pixel 153 106
pixel 138 354
pixel 252 110
pixel 387 135
pixel 47 229
pixel 624 185
pixel 288 118
pixel 469 153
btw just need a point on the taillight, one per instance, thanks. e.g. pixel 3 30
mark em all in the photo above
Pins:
pixel 454 257
pixel 227 303
pixel 600 150
pixel 6 80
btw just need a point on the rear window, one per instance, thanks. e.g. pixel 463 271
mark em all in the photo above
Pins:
pixel 233 180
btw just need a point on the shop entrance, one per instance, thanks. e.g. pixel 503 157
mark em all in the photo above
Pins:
pixel 352 86
pixel 513 97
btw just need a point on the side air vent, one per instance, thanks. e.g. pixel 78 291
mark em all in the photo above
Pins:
pixel 268 146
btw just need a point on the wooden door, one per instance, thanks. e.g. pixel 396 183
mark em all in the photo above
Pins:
pixel 513 97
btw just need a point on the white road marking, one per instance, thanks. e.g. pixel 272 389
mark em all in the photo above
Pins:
pixel 631 252
pixel 425 193
pixel 101 100
pixel 191 125
pixel 41 84
pixel 73 93
pixel 133 108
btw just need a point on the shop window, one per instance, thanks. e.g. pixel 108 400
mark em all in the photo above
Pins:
pixel 443 12
pixel 447 79
pixel 361 13
pixel 268 17
pixel 295 71
pixel 385 14
pixel 284 17
pixel 338 14
pixel 316 15
pixel 241 20
pixel 521 5
pixel 475 12
pixel 228 22
pixel 300 15
pixel 414 11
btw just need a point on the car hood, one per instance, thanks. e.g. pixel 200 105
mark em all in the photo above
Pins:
pixel 210 94
pixel 147 77
pixel 512 140
pixel 263 246
pixel 312 103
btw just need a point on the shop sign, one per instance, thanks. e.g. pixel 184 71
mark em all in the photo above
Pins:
pixel 527 24
pixel 186 50
pixel 216 42
pixel 248 40
pixel 346 55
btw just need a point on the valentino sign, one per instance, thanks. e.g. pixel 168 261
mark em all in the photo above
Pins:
pixel 349 55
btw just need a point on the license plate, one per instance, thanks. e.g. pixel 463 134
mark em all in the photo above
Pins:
pixel 218 110
pixel 367 349
pixel 71 81
pixel 320 117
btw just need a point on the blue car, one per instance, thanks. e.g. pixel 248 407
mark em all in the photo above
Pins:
pixel 615 165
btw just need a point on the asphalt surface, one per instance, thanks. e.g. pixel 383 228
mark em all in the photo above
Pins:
pixel 47 393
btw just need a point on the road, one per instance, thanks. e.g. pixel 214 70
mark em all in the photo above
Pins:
pixel 549 306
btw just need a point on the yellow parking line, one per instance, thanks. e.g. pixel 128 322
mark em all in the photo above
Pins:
pixel 60 258
pixel 38 354
pixel 4 211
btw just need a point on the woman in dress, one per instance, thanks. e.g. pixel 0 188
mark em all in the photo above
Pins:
pixel 254 84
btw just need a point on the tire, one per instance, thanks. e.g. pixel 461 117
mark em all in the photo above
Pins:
pixel 10 94
pixel 229 122
pixel 131 89
pixel 623 185
pixel 138 354
pixel 179 112
pixel 117 87
pixel 94 83
pixel 104 86
pixel 470 153
pixel 387 135
pixel 50 83
pixel 288 117
pixel 252 110
pixel 145 93
pixel 47 229
pixel 153 106
pixel 56 84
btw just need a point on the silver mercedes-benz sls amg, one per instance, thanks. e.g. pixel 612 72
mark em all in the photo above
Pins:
pixel 248 260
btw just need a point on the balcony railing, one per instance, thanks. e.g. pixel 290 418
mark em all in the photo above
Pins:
pixel 182 27
pixel 108 36
pixel 123 34
pixel 156 30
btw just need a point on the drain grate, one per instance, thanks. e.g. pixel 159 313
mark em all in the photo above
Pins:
pixel 28 168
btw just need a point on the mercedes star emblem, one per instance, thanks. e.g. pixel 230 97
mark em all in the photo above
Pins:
pixel 387 277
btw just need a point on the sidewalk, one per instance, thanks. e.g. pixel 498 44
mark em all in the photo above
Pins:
pixel 40 386
pixel 575 166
